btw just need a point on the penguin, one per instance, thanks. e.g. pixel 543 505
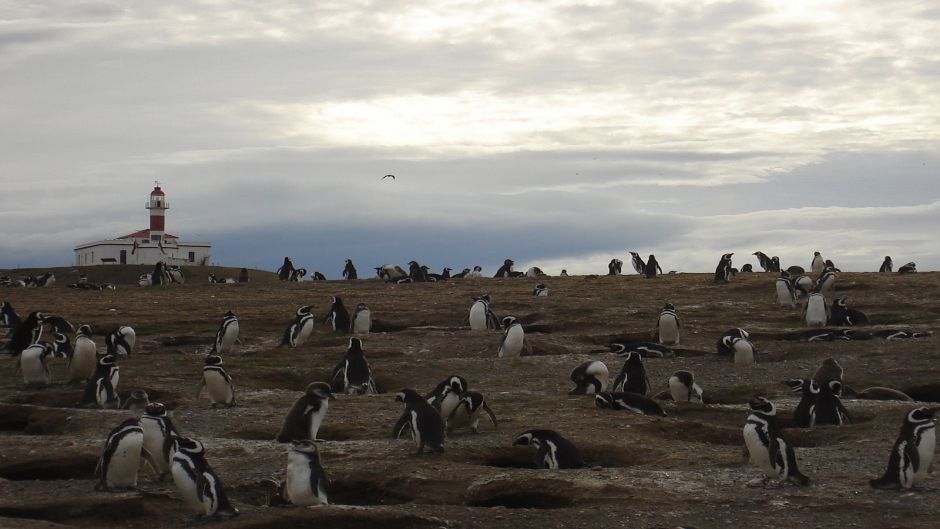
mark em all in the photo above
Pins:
pixel 829 408
pixel 723 272
pixel 445 273
pixel 244 276
pixel 912 454
pixel 121 341
pixel 683 388
pixel 590 378
pixel 390 273
pixel 473 403
pixel 317 276
pixel 841 314
pixel 802 284
pixel 615 267
pixel 159 276
pixel 28 332
pixel 427 426
pixel 299 330
pixel 826 282
pixel 306 482
pixel 897 334
pixel 445 397
pixel 361 320
pixel 652 266
pixel 286 271
pixel 120 459
pixel 804 416
pixel 159 434
pixel 628 401
pixel 33 360
pixel 352 375
pixel 45 280
pixel 462 274
pixel 767 447
pixel 887 266
pixel 506 269
pixel 638 264
pixel 540 290
pixel 199 486
pixel 175 274
pixel 816 311
pixel 513 338
pixel 632 377
pixel 298 275
pixel 227 334
pixel 535 272
pixel 818 264
pixel 552 451
pixel 564 273
pixel 747 269
pixel 481 317
pixel 826 335
pixel 81 364
pixel 101 386
pixel 828 370
pixel 646 349
pixel 143 280
pixel 8 317
pixel 416 272
pixel 830 264
pixel 764 261
pixel 304 418
pixel 668 325
pixel 876 393
pixel 349 271
pixel 477 271
pixel 338 316
pixel 137 401
pixel 723 346
pixel 786 296
pixel 217 382
pixel 744 351
pixel 775 264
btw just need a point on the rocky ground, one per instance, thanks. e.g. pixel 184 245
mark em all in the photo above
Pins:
pixel 687 468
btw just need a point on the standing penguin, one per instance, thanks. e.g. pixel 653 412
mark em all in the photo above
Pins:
pixel 683 388
pixel 349 271
pixel 506 269
pixel 473 403
pixel 216 380
pixel 912 453
pixel 668 325
pixel 227 333
pixel 589 378
pixel 632 377
pixel 361 320
pixel 764 261
pixel 120 458
pixel 159 433
pixel 766 445
pixel 829 408
pixel 841 314
pixel 199 486
pixel 28 332
pixel 286 271
pixel 121 341
pixel 614 267
pixel 816 310
pixel 243 276
pixel 33 360
pixel 338 316
pixel 818 264
pixel 101 386
pixel 887 266
pixel 299 330
pixel 81 363
pixel 9 319
pixel 804 416
pixel 786 296
pixel 481 317
pixel 306 415
pixel 552 451
pixel 723 271
pixel 638 264
pixel 427 426
pixel 513 338
pixel 652 265
pixel 352 375
pixel 306 482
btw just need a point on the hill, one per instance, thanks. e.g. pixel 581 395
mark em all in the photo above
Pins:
pixel 643 472
pixel 128 274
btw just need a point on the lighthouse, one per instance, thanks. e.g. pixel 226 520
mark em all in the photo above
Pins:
pixel 146 247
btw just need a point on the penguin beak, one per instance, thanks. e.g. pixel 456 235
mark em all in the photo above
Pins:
pixel 332 396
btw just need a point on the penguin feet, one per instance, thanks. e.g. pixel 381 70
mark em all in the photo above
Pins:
pixel 760 483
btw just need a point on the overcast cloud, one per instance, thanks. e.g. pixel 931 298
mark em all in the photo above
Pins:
pixel 559 134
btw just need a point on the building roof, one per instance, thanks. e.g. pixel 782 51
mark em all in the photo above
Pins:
pixel 157 191
pixel 144 234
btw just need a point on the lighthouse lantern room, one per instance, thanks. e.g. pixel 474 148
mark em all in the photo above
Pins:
pixel 145 246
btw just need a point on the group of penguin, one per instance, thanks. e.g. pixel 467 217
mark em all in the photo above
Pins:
pixel 154 438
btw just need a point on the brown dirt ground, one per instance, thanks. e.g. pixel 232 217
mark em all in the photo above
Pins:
pixel 687 468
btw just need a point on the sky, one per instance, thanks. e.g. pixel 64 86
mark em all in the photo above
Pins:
pixel 558 134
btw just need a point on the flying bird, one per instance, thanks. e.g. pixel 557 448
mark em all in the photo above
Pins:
pixel 388 176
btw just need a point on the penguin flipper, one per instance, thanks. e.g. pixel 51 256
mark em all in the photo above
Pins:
pixel 491 414
pixel 401 425
pixel 335 377
pixel 199 386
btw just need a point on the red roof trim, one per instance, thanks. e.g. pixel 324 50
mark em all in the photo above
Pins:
pixel 145 234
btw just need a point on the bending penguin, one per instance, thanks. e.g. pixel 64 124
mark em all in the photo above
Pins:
pixel 427 426
pixel 306 415
pixel 552 451
pixel 473 402
pixel 768 449
pixel 683 388
pixel 121 341
pixel 219 385
pixel 628 401
pixel 589 378
pixel 912 454
pixel 81 363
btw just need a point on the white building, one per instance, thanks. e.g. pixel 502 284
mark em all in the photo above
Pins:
pixel 145 246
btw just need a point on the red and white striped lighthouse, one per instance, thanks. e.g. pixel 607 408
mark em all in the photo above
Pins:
pixel 157 206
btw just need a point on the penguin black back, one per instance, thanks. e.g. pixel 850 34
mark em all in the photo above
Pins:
pixel 552 451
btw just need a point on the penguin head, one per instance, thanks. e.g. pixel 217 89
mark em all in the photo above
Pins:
pixel 457 383
pixel 408 395
pixel 213 360
pixel 477 268
pixel 303 311
pixel 361 306
pixel 921 415
pixel 62 346
pixel 189 446
pixel 508 321
pixel 349 262
pixel 355 346
pixel 448 269
pixel 139 394
pixel 669 306
pixel 728 341
pixel 795 384
pixel 107 360
pixel 816 254
pixel 604 400
pixel 687 378
pixel 525 439
pixel 336 301
pixel 155 409
pixel 229 314
pixel 320 390
pixel 509 262
pixel 618 349
pixel 306 447
pixel 834 386
pixel 839 302
pixel 85 330
pixel 762 405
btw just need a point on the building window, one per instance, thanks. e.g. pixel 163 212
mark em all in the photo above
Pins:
pixel 123 256
pixel 192 257
pixel 155 238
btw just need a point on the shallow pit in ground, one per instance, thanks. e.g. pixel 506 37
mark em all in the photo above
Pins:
pixel 32 420
pixel 336 518
pixel 593 455
pixel 76 466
